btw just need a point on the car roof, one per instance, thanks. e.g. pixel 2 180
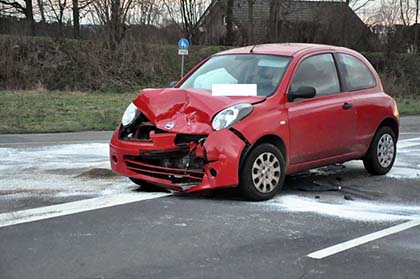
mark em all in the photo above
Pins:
pixel 286 49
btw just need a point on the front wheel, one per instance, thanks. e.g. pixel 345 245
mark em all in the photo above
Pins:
pixel 262 175
pixel 381 154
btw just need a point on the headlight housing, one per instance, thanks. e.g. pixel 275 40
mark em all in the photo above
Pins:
pixel 130 114
pixel 229 116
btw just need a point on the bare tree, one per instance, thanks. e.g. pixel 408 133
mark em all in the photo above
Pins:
pixel 40 4
pixel 24 8
pixel 387 14
pixel 416 26
pixel 186 14
pixel 77 7
pixel 148 12
pixel 57 10
pixel 114 15
pixel 357 5
pixel 391 22
pixel 76 18
pixel 407 12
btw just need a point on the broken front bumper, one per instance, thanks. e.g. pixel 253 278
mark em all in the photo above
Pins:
pixel 213 162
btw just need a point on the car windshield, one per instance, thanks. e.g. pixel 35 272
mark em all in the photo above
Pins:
pixel 264 71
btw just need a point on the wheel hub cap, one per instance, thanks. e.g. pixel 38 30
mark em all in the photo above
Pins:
pixel 385 150
pixel 266 172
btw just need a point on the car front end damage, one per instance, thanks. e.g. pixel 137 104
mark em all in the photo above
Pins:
pixel 178 161
pixel 177 149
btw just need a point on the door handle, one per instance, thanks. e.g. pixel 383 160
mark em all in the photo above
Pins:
pixel 347 105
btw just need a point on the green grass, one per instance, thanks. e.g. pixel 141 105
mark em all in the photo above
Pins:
pixel 53 111
pixel 408 106
pixel 57 111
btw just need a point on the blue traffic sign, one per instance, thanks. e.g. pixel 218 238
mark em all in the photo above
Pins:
pixel 183 43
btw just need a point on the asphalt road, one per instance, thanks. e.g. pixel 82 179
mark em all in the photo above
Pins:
pixel 211 235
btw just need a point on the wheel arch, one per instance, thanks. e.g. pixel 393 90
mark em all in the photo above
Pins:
pixel 389 122
pixel 270 138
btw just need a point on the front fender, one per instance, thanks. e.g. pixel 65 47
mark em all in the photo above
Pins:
pixel 265 122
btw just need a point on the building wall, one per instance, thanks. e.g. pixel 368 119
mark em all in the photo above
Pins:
pixel 261 13
pixel 213 30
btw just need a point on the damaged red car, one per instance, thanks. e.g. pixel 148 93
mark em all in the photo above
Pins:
pixel 247 117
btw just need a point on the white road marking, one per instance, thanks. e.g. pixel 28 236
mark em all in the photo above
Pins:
pixel 41 213
pixel 410 139
pixel 408 142
pixel 362 240
pixel 52 142
pixel 409 133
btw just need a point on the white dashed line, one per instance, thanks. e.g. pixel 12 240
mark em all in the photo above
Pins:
pixel 362 240
pixel 41 213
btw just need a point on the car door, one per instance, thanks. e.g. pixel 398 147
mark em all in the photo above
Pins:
pixel 320 127
pixel 359 81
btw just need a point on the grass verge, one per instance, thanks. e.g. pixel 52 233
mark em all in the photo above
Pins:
pixel 408 106
pixel 54 111
pixel 57 111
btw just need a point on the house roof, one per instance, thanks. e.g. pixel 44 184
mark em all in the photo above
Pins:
pixel 312 10
pixel 297 10
pixel 207 12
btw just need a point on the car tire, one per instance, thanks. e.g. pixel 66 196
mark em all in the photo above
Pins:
pixel 147 187
pixel 382 151
pixel 263 173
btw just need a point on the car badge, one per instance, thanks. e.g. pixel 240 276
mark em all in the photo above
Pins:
pixel 169 125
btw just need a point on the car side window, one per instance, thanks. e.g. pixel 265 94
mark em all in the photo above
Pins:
pixel 318 71
pixel 357 75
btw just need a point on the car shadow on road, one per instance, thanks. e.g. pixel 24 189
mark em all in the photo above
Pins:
pixel 333 179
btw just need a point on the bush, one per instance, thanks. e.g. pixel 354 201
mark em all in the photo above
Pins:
pixel 400 73
pixel 66 64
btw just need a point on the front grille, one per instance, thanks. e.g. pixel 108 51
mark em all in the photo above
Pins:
pixel 185 139
pixel 177 167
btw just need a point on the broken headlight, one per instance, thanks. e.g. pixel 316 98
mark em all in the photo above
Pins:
pixel 130 114
pixel 229 116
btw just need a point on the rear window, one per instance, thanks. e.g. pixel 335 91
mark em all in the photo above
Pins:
pixel 357 75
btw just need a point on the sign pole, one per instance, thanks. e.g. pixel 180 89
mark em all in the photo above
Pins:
pixel 182 66
pixel 183 45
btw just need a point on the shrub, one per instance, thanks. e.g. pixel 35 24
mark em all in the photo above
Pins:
pixel 66 64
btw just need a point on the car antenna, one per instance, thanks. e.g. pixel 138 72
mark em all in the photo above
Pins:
pixel 252 49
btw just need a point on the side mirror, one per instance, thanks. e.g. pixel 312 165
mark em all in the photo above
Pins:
pixel 173 83
pixel 304 92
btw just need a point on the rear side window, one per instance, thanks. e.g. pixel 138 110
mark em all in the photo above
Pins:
pixel 318 71
pixel 357 75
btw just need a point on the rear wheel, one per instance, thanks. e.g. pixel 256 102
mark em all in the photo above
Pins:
pixel 148 187
pixel 381 154
pixel 262 175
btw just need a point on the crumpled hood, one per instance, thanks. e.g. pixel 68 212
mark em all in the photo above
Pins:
pixel 189 110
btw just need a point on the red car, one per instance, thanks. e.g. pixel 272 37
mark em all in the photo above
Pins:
pixel 247 117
